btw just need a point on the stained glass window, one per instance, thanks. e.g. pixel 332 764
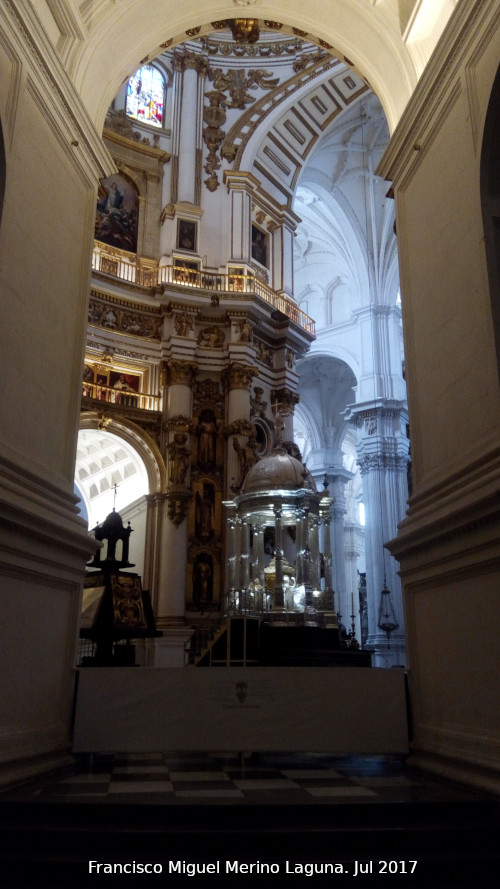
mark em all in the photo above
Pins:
pixel 145 94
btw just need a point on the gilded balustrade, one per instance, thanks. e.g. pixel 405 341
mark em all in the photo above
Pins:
pixel 132 269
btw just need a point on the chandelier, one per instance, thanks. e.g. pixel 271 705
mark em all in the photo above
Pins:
pixel 244 30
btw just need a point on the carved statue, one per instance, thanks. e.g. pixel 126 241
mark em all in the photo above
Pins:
pixel 247 455
pixel 179 456
pixel 207 430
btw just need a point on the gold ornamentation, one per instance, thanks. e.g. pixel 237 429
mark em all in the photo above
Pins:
pixel 244 331
pixel 192 32
pixel 285 400
pixel 183 323
pixel 178 502
pixel 239 376
pixel 214 116
pixel 239 427
pixel 244 30
pixel 207 391
pixel 111 317
pixel 179 458
pixel 181 373
pixel 211 338
pixel 179 422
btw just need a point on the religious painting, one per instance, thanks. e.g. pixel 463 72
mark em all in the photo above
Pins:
pixel 236 277
pixel 128 607
pixel 186 234
pixel 186 272
pixel 125 387
pixel 259 246
pixel 117 213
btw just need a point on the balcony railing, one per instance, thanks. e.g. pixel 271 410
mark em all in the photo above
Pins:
pixel 100 392
pixel 134 270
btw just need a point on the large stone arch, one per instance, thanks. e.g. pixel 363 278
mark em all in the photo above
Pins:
pixel 367 37
pixel 139 440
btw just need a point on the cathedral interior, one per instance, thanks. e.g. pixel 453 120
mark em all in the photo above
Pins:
pixel 250 417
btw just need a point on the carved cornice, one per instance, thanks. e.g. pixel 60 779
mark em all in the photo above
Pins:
pixel 119 131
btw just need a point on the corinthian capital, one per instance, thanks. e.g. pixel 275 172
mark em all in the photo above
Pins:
pixel 239 376
pixel 181 373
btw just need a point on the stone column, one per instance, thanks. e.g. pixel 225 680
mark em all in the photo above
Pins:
pixel 172 591
pixel 237 379
pixel 383 460
pixel 189 71
pixel 336 482
pixel 152 556
pixel 282 235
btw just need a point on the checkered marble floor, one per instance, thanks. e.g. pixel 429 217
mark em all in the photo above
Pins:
pixel 264 779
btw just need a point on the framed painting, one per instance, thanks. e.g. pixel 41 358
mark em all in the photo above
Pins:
pixel 186 234
pixel 259 246
pixel 117 213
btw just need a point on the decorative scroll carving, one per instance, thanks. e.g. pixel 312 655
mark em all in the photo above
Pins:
pixel 214 117
pixel 237 83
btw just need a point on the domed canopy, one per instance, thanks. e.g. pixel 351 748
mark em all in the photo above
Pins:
pixel 278 472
